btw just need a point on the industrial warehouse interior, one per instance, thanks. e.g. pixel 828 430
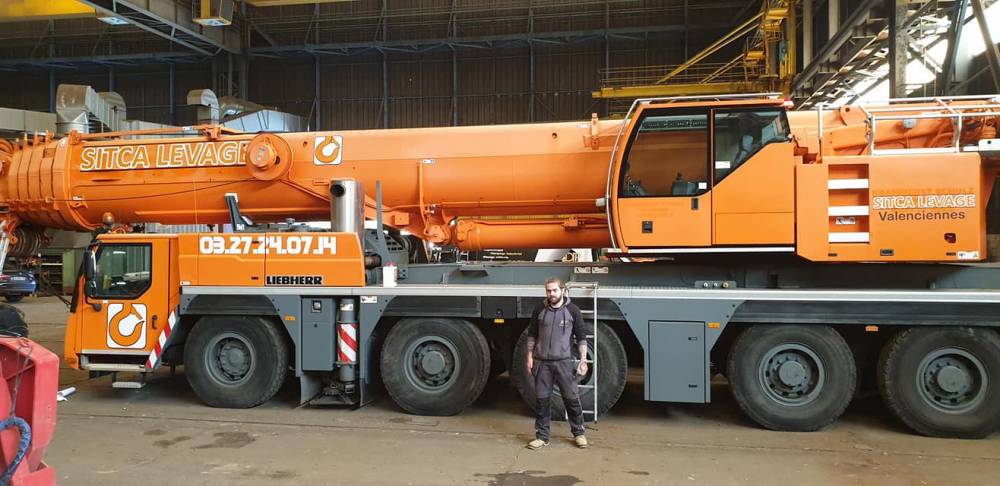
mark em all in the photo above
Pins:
pixel 500 242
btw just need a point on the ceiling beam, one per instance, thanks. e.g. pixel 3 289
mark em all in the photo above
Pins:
pixel 72 62
pixel 173 21
pixel 477 40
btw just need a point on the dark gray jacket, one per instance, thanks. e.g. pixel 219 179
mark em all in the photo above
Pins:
pixel 555 334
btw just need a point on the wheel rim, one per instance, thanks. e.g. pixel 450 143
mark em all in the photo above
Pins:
pixel 951 380
pixel 791 374
pixel 231 359
pixel 431 363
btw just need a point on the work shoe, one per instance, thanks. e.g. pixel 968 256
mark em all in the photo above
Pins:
pixel 581 441
pixel 537 444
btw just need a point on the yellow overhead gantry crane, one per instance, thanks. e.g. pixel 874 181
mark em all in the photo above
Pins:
pixel 765 64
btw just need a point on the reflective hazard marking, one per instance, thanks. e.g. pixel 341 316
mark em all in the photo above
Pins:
pixel 347 350
pixel 157 352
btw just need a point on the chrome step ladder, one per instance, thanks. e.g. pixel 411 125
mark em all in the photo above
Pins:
pixel 592 338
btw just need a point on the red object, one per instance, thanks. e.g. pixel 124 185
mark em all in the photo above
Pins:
pixel 157 352
pixel 348 347
pixel 38 369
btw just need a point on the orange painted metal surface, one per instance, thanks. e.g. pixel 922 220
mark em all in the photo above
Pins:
pixel 249 259
pixel 131 325
pixel 127 324
pixel 429 176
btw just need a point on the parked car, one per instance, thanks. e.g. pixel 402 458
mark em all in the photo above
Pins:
pixel 15 284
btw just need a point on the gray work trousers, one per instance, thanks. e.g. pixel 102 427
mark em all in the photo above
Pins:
pixel 562 373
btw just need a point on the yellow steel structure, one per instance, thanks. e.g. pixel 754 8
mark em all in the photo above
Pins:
pixel 22 10
pixel 280 3
pixel 765 64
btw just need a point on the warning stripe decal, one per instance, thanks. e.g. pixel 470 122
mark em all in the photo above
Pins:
pixel 155 354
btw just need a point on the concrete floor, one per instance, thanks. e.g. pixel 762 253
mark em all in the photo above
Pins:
pixel 163 435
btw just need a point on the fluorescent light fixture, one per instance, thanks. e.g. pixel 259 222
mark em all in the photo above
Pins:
pixel 110 18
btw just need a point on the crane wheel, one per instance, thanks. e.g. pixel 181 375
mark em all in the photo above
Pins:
pixel 792 377
pixel 612 374
pixel 236 362
pixel 12 321
pixel 943 382
pixel 435 366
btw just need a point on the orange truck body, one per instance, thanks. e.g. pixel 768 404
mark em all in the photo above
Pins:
pixel 121 325
pixel 899 184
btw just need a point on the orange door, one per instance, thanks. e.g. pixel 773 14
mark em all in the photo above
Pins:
pixel 128 301
pixel 663 188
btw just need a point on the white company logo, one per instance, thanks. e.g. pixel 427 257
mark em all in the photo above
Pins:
pixel 127 326
pixel 189 155
pixel 328 150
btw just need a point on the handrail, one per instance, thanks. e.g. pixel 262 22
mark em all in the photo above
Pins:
pixel 957 113
pixel 746 96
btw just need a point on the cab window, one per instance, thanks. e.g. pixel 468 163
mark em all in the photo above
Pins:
pixel 123 271
pixel 741 133
pixel 668 156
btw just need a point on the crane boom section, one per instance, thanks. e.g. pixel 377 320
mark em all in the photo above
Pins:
pixel 429 176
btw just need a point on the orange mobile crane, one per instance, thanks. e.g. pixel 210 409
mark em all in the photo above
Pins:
pixel 741 239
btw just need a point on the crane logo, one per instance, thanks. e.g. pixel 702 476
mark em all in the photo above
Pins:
pixel 329 150
pixel 127 326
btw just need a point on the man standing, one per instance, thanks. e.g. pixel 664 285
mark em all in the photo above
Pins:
pixel 555 330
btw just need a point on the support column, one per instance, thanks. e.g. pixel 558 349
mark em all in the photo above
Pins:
pixel 833 18
pixel 807 31
pixel 992 54
pixel 531 81
pixel 954 40
pixel 52 90
pixel 687 29
pixel 317 98
pixel 897 47
pixel 52 76
pixel 454 88
pixel 385 91
pixel 791 64
pixel 244 77
pixel 172 95
pixel 607 46
pixel 229 74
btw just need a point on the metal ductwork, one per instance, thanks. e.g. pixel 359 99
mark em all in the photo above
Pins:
pixel 207 103
pixel 267 121
pixel 80 108
pixel 238 114
pixel 231 105
pixel 15 122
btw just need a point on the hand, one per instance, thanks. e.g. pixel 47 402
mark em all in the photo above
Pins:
pixel 581 369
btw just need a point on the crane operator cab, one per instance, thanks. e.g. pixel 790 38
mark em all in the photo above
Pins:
pixel 690 176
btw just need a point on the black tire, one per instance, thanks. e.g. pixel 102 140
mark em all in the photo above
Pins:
pixel 258 353
pixel 433 366
pixel 13 298
pixel 612 371
pixel 497 367
pixel 12 321
pixel 792 377
pixel 913 386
